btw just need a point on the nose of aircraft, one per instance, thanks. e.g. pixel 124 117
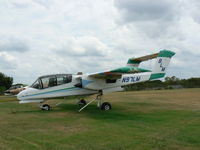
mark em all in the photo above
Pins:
pixel 19 95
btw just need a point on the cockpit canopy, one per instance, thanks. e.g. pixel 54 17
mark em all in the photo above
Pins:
pixel 52 80
pixel 16 86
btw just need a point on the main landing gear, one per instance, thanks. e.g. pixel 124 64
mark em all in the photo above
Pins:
pixel 45 107
pixel 103 106
pixel 106 106
pixel 82 103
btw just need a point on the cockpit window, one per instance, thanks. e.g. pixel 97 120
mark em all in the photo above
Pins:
pixel 36 85
pixel 45 82
pixel 60 80
pixel 63 79
pixel 68 78
pixel 48 81
pixel 52 80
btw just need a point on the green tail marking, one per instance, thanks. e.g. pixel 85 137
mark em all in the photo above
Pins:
pixel 166 53
pixel 156 76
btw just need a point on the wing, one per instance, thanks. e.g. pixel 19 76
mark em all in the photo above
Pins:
pixel 117 73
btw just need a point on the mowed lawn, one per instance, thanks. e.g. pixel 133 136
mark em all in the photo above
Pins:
pixel 144 120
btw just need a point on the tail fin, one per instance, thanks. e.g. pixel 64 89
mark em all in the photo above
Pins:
pixel 162 62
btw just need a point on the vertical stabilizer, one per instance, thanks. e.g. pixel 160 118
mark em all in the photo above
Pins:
pixel 162 62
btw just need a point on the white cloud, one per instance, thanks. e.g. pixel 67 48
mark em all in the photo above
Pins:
pixel 40 37
pixel 144 10
pixel 13 44
pixel 81 47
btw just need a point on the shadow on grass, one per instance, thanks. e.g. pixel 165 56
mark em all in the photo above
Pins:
pixel 91 111
pixel 54 109
pixel 117 114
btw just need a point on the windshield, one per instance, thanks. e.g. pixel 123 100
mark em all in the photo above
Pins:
pixel 36 85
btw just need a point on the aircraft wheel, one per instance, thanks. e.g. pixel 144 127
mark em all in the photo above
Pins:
pixel 82 102
pixel 106 106
pixel 46 107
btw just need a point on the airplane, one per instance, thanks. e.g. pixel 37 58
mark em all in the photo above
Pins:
pixel 99 83
pixel 14 89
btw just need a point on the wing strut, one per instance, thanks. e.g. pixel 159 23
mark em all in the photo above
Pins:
pixel 98 97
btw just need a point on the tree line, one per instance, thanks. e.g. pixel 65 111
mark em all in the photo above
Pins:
pixel 169 83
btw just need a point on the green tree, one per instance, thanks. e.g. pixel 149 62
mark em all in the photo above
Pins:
pixel 5 82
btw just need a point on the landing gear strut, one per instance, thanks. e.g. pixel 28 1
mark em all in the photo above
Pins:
pixel 103 106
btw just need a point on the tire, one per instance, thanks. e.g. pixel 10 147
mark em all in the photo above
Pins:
pixel 106 106
pixel 82 102
pixel 46 107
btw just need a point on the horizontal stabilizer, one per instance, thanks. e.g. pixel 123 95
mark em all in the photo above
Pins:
pixel 136 61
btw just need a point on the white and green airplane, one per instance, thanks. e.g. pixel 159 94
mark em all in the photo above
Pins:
pixel 99 83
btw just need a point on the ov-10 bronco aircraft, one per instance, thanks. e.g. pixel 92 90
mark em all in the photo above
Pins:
pixel 64 85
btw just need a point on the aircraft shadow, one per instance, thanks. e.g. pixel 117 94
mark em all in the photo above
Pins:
pixel 117 113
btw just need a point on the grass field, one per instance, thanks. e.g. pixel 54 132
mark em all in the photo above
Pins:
pixel 144 120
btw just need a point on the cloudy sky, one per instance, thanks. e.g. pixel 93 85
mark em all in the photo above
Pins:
pixel 39 37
